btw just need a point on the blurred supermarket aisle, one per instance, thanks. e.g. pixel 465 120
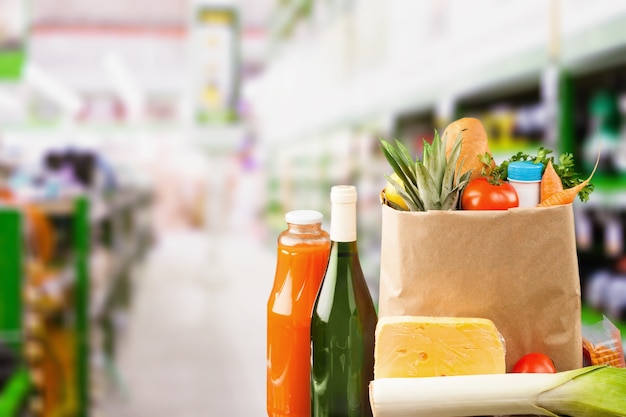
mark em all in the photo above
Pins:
pixel 195 342
pixel 246 109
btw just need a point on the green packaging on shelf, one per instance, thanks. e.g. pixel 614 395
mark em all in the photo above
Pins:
pixel 518 268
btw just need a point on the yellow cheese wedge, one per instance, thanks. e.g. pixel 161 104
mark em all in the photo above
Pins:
pixel 415 346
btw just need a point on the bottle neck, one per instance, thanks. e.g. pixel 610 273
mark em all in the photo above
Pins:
pixel 346 248
pixel 343 222
pixel 304 228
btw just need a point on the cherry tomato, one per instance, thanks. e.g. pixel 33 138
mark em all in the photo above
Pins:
pixel 534 363
pixel 480 194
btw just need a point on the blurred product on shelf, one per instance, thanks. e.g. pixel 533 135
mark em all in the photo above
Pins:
pixel 616 303
pixel 530 122
pixel 620 153
pixel 606 292
pixel 596 290
pixel 584 229
pixel 60 173
pixel 514 122
pixel 8 363
pixel 613 237
pixel 604 126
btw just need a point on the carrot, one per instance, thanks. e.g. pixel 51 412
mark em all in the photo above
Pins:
pixel 566 196
pixel 563 197
pixel 550 182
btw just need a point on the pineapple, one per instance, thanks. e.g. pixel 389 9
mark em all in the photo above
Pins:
pixel 431 184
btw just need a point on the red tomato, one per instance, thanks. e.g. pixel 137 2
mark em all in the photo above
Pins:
pixel 534 363
pixel 480 194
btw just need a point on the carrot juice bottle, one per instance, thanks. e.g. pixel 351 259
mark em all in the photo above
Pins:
pixel 303 251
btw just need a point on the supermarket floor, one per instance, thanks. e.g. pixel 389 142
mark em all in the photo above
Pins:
pixel 194 343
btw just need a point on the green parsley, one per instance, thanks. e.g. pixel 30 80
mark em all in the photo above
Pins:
pixel 565 168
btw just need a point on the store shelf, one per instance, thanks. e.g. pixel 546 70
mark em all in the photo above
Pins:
pixel 443 68
pixel 218 139
pixel 595 46
pixel 70 282
pixel 57 206
pixel 122 239
pixel 211 138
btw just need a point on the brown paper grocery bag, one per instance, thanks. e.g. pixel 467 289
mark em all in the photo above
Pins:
pixel 518 268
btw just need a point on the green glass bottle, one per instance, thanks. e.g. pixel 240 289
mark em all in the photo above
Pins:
pixel 343 322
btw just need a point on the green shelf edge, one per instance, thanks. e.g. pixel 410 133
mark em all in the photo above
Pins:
pixel 11 64
pixel 11 265
pixel 81 250
pixel 14 394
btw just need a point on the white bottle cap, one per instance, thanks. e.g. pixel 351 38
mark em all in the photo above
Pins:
pixel 343 213
pixel 343 194
pixel 302 217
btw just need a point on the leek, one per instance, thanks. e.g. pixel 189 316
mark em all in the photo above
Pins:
pixel 594 391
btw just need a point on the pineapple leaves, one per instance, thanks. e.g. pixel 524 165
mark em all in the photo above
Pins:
pixel 402 164
pixel 434 183
pixel 450 175
pixel 398 160
pixel 428 188
pixel 432 159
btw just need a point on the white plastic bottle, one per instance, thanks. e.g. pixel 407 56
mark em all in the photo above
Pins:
pixel 525 177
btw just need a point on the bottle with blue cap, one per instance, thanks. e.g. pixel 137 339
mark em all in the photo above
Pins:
pixel 525 177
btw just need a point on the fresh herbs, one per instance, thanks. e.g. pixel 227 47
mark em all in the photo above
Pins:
pixel 564 167
pixel 490 171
